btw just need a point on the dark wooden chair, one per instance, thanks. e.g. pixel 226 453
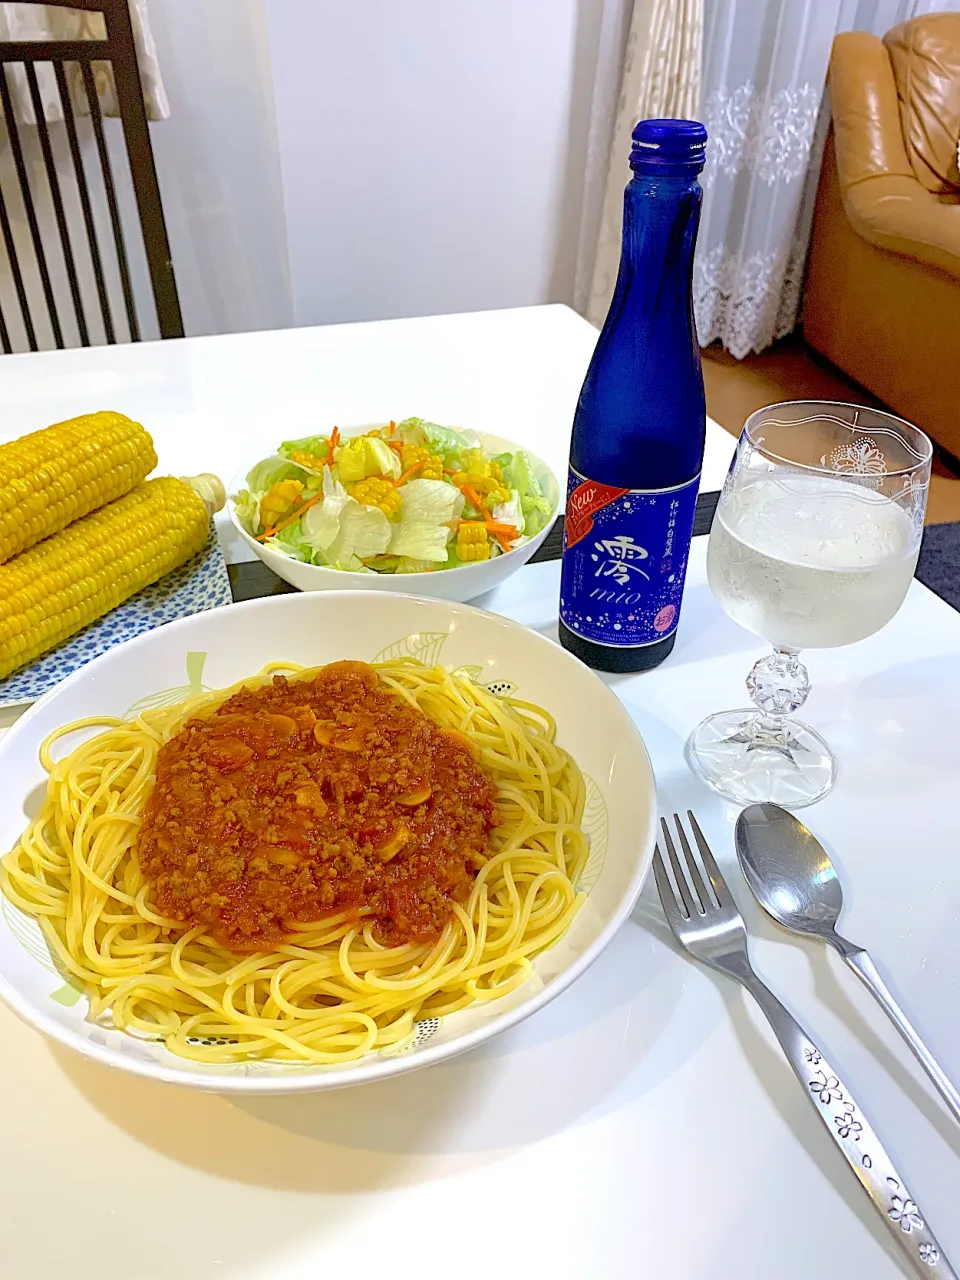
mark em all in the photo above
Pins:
pixel 120 51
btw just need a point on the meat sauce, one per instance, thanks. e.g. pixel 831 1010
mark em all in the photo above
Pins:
pixel 306 798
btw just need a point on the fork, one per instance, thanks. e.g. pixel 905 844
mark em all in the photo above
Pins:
pixel 709 926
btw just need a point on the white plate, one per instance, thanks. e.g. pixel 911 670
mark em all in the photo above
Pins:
pixel 465 582
pixel 312 629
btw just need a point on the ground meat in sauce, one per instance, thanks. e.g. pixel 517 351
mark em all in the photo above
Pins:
pixel 304 798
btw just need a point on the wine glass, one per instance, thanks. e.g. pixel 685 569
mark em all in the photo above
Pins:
pixel 813 545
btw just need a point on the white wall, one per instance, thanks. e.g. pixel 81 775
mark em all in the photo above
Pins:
pixel 432 151
pixel 328 161
pixel 219 166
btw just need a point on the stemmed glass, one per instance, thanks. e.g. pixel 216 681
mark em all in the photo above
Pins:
pixel 814 545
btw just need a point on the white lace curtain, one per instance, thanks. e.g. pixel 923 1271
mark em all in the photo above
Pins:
pixel 765 66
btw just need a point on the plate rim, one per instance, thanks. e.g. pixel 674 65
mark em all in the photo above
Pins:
pixel 377 1068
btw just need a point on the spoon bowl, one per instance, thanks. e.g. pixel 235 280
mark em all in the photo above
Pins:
pixel 788 869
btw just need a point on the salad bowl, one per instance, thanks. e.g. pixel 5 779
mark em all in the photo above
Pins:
pixel 458 581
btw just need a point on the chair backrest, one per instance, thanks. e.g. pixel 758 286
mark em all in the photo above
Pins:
pixel 119 49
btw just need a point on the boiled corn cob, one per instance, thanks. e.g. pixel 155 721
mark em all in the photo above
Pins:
pixel 53 590
pixel 52 477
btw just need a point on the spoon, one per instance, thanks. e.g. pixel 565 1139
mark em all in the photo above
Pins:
pixel 794 880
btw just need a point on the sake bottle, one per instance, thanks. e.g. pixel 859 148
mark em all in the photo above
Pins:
pixel 638 433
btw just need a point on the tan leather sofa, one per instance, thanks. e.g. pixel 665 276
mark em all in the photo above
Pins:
pixel 882 297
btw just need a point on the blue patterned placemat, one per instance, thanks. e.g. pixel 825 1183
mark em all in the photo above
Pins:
pixel 202 583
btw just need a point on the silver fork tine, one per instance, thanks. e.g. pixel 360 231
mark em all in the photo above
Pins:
pixel 699 887
pixel 724 896
pixel 677 870
pixel 668 899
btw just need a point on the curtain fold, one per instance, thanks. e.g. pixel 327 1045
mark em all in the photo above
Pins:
pixel 661 77
pixel 48 22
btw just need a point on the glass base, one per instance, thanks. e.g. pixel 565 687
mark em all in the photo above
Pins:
pixel 794 770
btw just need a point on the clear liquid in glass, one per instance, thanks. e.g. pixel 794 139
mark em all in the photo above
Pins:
pixel 810 561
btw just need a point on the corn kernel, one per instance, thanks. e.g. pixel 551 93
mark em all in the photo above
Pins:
pixel 281 499
pixel 307 460
pixel 374 491
pixel 472 531
pixel 410 455
pixel 476 463
pixel 472 542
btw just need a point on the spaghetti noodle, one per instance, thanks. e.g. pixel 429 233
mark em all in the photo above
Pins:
pixel 333 989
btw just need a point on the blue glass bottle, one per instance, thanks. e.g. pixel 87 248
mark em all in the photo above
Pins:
pixel 638 433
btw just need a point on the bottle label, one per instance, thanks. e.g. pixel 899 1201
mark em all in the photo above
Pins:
pixel 624 560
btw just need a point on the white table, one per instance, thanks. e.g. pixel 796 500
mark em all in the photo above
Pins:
pixel 644 1124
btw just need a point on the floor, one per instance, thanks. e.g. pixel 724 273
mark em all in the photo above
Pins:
pixel 791 371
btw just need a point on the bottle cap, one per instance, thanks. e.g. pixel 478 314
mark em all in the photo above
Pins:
pixel 677 145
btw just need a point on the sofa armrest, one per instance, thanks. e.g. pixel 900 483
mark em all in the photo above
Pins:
pixel 882 197
pixel 900 215
pixel 866 111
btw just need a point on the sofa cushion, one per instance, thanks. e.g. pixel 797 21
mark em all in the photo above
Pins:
pixel 925 55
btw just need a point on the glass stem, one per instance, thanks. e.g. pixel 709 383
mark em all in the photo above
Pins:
pixel 778 685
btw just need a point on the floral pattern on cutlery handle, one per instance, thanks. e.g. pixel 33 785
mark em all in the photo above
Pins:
pixel 852 1133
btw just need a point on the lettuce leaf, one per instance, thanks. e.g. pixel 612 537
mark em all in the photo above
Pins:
pixel 405 564
pixel 518 472
pixel 433 501
pixel 260 480
pixel 266 474
pixel 420 540
pixel 447 442
pixel 363 456
pixel 292 541
pixel 316 445
pixel 364 532
pixel 321 524
pixel 384 564
pixel 511 512
pixel 341 532
pixel 247 507
pixel 430 509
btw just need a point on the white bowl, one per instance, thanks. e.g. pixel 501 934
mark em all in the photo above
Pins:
pixel 465 582
pixel 237 641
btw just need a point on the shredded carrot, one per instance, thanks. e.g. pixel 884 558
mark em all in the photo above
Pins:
pixel 395 445
pixel 407 474
pixel 334 440
pixel 274 529
pixel 504 541
pixel 471 494
pixel 392 427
